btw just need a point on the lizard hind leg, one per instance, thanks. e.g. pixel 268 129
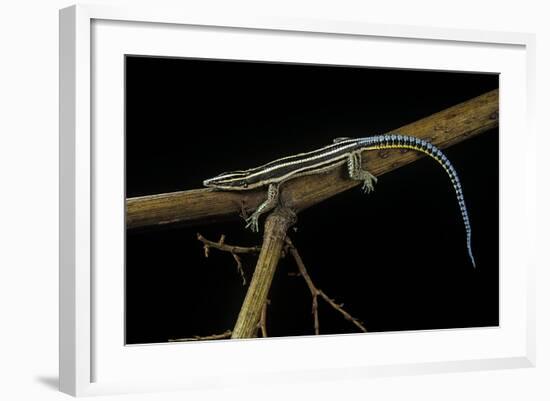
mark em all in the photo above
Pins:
pixel 357 173
pixel 266 206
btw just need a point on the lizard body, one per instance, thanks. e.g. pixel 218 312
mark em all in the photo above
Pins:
pixel 343 151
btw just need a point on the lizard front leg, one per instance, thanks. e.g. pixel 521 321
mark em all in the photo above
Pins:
pixel 266 206
pixel 356 172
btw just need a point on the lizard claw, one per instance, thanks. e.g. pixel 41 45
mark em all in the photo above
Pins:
pixel 368 183
pixel 252 223
pixel 368 187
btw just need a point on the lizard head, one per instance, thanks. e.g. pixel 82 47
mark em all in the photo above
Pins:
pixel 235 181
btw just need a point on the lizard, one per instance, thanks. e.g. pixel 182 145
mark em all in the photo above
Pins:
pixel 343 151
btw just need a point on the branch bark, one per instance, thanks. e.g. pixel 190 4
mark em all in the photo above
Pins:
pixel 276 226
pixel 443 129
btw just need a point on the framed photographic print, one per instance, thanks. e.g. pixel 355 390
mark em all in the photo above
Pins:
pixel 334 198
pixel 266 111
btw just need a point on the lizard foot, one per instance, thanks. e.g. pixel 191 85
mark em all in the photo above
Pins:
pixel 368 182
pixel 252 222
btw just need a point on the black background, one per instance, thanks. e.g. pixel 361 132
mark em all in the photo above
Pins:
pixel 396 258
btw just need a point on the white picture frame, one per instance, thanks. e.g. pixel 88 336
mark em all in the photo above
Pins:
pixel 93 358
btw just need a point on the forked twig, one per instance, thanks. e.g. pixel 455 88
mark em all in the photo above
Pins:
pixel 232 249
pixel 315 292
pixel 302 271
pixel 222 246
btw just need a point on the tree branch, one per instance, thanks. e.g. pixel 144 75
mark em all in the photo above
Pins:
pixel 276 226
pixel 443 129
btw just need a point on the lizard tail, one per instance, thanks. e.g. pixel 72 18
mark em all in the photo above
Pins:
pixel 410 142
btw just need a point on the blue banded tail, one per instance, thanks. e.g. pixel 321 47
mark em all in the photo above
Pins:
pixel 421 145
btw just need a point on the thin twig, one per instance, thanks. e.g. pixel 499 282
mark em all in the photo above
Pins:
pixel 239 267
pixel 315 311
pixel 232 249
pixel 339 308
pixel 225 334
pixel 222 246
pixel 315 292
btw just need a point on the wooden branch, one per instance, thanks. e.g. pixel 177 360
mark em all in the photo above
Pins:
pixel 276 226
pixel 443 129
